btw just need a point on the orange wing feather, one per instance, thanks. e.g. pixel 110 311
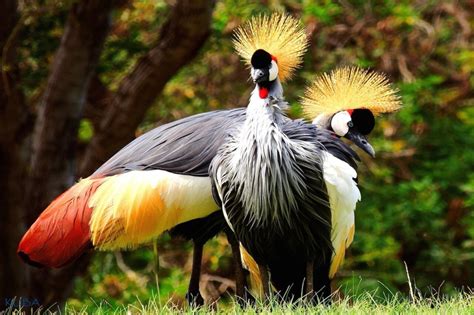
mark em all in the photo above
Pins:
pixel 61 233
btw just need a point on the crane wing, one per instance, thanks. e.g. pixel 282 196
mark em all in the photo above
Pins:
pixel 157 181
pixel 132 208
pixel 161 180
pixel 185 146
pixel 343 197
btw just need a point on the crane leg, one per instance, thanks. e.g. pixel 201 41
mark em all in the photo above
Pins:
pixel 265 280
pixel 240 280
pixel 322 283
pixel 309 280
pixel 193 296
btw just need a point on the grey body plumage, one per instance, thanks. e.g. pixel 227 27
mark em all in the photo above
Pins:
pixel 265 167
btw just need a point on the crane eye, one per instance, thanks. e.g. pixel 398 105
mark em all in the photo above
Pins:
pixel 340 123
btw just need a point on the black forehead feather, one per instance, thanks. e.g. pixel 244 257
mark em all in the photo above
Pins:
pixel 363 120
pixel 261 59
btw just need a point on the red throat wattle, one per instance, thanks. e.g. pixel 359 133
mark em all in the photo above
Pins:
pixel 263 92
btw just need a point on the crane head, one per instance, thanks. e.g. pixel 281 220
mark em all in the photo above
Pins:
pixel 346 102
pixel 354 125
pixel 264 71
pixel 264 67
pixel 271 45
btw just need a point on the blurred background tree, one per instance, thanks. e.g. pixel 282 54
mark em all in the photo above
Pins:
pixel 81 79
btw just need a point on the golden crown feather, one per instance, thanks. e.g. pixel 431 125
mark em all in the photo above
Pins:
pixel 350 88
pixel 279 34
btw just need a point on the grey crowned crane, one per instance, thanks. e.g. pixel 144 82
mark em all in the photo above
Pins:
pixel 345 102
pixel 289 201
pixel 156 183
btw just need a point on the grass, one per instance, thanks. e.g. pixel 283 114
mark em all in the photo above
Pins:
pixel 461 303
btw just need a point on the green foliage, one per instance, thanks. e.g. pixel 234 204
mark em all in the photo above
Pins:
pixel 132 36
pixel 37 51
pixel 86 130
pixel 323 11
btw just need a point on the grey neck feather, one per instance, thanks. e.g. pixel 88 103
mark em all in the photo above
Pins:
pixel 263 167
pixel 323 121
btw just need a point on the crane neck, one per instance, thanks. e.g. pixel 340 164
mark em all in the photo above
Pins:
pixel 269 108
pixel 263 166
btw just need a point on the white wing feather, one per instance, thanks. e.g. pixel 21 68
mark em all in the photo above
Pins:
pixel 343 196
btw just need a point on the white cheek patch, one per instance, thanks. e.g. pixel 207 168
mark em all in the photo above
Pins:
pixel 252 73
pixel 273 73
pixel 339 123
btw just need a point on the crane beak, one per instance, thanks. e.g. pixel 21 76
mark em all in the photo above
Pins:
pixel 361 141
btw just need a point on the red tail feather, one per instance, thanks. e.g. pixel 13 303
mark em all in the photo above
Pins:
pixel 61 233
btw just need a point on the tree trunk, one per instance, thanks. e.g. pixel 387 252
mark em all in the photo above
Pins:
pixel 32 175
pixel 54 139
pixel 13 116
pixel 180 39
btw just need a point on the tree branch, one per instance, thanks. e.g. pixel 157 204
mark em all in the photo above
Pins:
pixel 180 39
pixel 98 100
